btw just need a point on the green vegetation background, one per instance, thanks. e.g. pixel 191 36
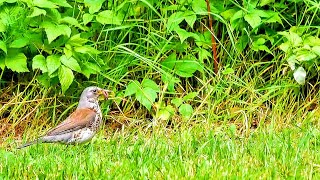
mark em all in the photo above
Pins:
pixel 170 116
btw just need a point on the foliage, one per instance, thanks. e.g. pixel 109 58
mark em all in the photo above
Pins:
pixel 159 52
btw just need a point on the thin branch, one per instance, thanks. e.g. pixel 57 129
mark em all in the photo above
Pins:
pixel 213 41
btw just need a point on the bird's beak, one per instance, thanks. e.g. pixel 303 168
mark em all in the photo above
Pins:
pixel 105 93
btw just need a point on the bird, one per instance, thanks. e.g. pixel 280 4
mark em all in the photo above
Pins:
pixel 81 125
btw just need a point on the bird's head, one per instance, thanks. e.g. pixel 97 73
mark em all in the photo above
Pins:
pixel 94 92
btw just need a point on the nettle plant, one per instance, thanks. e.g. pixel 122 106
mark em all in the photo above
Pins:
pixel 302 50
pixel 57 37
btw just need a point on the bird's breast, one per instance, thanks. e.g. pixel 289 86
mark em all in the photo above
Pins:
pixel 83 135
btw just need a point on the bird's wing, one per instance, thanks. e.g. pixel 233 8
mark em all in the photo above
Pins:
pixel 80 118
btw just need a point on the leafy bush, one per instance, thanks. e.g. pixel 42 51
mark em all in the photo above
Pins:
pixel 158 45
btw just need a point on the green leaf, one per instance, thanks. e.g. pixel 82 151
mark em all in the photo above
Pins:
pixel 76 40
pixel 174 20
pixel 44 79
pixel 132 88
pixel 186 110
pixel 146 97
pixel 265 2
pixel 109 17
pixel 71 63
pixel 190 17
pixel 190 96
pixel 151 84
pixel 177 102
pixel 44 4
pixel 19 43
pixel 37 12
pixel 203 54
pixel 65 77
pixel 165 113
pixel 228 13
pixel 53 31
pixel 183 34
pixel 305 55
pixel 200 7
pixel 169 63
pixel 94 5
pixel 228 71
pixel 62 3
pixel 16 62
pixel 186 68
pixel 87 18
pixel 89 68
pixel 293 38
pixel 3 46
pixel 69 20
pixel 300 75
pixel 316 49
pixel 273 17
pixel 86 50
pixel 39 62
pixel 53 63
pixel 93 66
pixel 67 52
pixel 253 19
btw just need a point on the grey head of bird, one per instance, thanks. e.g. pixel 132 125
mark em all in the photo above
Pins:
pixel 91 94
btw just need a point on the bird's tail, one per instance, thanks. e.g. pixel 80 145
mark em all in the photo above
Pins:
pixel 29 143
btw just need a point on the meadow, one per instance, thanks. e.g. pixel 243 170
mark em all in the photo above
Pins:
pixel 233 96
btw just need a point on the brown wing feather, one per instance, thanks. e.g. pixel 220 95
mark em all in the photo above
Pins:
pixel 78 119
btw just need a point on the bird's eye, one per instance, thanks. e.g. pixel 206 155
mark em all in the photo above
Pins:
pixel 94 90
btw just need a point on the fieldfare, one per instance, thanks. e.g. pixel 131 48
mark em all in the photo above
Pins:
pixel 81 125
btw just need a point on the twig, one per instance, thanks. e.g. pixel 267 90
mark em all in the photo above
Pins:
pixel 213 41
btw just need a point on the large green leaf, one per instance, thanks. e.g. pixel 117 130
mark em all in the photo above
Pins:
pixel 44 4
pixel 62 3
pixel 53 31
pixel 186 68
pixel 186 110
pixel 132 88
pixel 19 42
pixel 109 17
pixel 87 18
pixel 146 97
pixel 86 50
pixel 71 63
pixel 199 7
pixel 53 63
pixel 253 19
pixel 37 12
pixel 170 62
pixel 190 17
pixel 183 34
pixel 76 40
pixel 39 62
pixel 16 62
pixel 94 5
pixel 65 77
pixel 174 20
pixel 151 84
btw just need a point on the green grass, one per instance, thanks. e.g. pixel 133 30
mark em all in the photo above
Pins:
pixel 199 152
pixel 253 123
